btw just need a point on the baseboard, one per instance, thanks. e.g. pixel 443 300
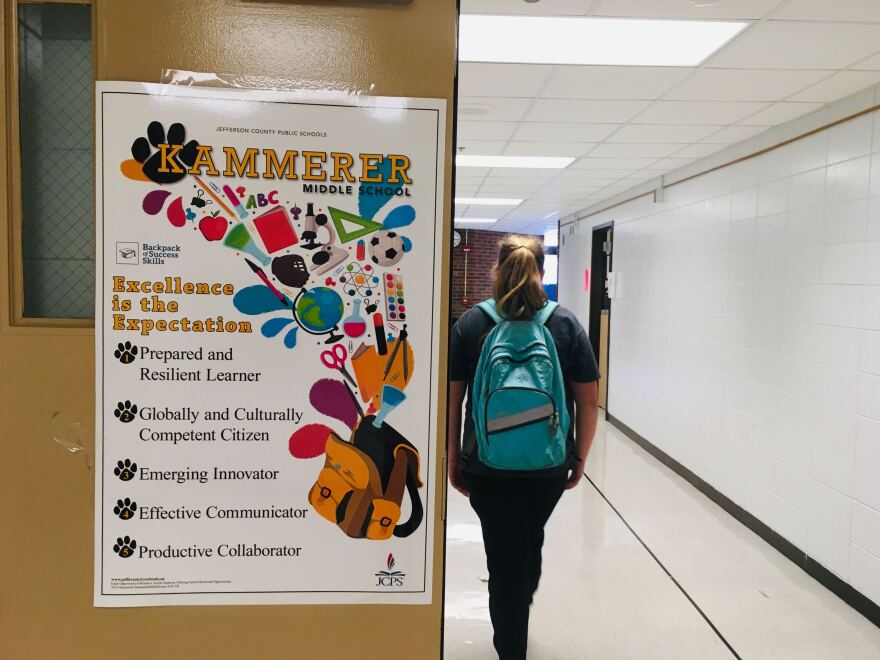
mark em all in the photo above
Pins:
pixel 843 590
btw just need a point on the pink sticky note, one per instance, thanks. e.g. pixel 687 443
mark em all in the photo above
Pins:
pixel 586 279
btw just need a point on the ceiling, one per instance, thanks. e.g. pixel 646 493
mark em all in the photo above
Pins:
pixel 628 124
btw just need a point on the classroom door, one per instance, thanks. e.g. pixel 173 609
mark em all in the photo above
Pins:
pixel 47 382
pixel 600 304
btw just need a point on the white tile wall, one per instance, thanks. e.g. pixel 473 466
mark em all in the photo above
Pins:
pixel 745 340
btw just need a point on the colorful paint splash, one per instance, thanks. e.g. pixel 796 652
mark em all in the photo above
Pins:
pixel 309 441
pixel 329 397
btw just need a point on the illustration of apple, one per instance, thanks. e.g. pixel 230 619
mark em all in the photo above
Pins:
pixel 213 227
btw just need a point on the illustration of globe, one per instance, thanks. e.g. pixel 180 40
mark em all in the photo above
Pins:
pixel 319 310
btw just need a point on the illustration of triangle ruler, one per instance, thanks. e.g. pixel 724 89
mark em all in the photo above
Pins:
pixel 343 220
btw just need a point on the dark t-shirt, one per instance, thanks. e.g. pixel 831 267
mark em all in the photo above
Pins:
pixel 575 357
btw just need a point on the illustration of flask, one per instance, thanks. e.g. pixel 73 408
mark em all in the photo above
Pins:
pixel 355 325
pixel 240 239
pixel 391 398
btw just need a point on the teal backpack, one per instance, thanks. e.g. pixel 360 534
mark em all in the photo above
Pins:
pixel 518 406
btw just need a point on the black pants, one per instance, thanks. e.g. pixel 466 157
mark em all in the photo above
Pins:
pixel 513 512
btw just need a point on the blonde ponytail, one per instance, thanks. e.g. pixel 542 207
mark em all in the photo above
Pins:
pixel 517 290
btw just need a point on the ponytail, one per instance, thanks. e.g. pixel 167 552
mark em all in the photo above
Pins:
pixel 518 291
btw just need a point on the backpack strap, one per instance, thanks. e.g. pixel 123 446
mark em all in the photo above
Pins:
pixel 408 458
pixel 488 306
pixel 543 315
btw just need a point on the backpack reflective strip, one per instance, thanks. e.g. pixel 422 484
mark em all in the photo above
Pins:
pixel 520 418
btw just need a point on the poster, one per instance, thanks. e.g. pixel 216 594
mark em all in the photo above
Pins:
pixel 267 346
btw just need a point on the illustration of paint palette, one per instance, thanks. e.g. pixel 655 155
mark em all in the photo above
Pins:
pixel 395 301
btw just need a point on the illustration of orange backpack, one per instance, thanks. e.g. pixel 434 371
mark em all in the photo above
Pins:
pixel 361 486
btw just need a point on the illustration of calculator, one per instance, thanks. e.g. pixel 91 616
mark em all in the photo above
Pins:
pixel 395 301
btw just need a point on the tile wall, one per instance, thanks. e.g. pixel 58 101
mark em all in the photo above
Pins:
pixel 745 339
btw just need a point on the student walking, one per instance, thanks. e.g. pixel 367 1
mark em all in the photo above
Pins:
pixel 531 379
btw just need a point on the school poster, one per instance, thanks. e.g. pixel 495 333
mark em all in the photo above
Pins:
pixel 267 346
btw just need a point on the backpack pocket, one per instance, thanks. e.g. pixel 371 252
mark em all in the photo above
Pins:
pixel 383 519
pixel 522 430
pixel 345 470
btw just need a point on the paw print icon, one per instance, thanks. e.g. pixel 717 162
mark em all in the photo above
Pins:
pixel 126 353
pixel 125 470
pixel 125 509
pixel 125 411
pixel 124 546
pixel 180 154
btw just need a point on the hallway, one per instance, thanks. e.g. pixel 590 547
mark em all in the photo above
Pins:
pixel 603 595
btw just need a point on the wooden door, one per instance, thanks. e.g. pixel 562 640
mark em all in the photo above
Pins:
pixel 47 375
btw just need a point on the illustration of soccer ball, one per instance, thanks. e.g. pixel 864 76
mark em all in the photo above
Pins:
pixel 386 248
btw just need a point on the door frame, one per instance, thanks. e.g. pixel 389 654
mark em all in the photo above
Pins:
pixel 598 292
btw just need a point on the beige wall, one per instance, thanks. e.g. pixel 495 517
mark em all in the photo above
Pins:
pixel 47 493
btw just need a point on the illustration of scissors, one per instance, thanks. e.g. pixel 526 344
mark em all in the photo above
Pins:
pixel 335 359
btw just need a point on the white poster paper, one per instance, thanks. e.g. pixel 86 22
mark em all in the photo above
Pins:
pixel 267 346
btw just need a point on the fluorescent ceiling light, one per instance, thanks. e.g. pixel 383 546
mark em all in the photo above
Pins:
pixel 552 213
pixel 587 40
pixel 479 221
pixel 488 201
pixel 536 162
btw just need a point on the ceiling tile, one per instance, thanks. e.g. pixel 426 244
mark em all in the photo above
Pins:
pixel 593 186
pixel 577 183
pixel 839 85
pixel 509 189
pixel 870 64
pixel 563 132
pixel 643 175
pixel 478 212
pixel 468 182
pixel 611 163
pixel 503 191
pixel 534 174
pixel 799 45
pixel 627 149
pixel 491 79
pixel 651 173
pixel 669 164
pixel 739 9
pixel 569 188
pixel 556 7
pixel 699 112
pixel 587 111
pixel 492 108
pixel 603 174
pixel 465 225
pixel 780 112
pixel 619 187
pixel 481 147
pixel 661 133
pixel 485 130
pixel 733 134
pixel 573 149
pixel 698 150
pixel 743 84
pixel 500 177
pixel 472 171
pixel 823 10
pixel 612 82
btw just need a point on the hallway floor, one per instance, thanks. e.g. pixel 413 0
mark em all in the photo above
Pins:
pixel 603 596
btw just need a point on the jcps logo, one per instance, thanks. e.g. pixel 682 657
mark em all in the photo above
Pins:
pixel 390 578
